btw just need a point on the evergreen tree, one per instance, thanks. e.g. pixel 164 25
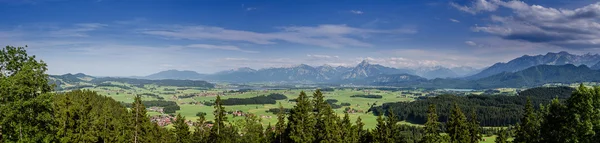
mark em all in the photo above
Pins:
pixel 300 123
pixel 392 127
pixel 218 128
pixel 201 131
pixel 182 130
pixel 361 133
pixel 581 115
pixel 348 132
pixel 269 134
pixel 528 130
pixel 381 132
pixel 25 111
pixel 320 108
pixel 251 129
pixel 432 127
pixel 332 131
pixel 554 127
pixel 457 127
pixel 502 136
pixel 140 121
pixel 474 129
pixel 280 126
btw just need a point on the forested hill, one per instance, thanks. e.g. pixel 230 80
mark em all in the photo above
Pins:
pixel 77 81
pixel 492 110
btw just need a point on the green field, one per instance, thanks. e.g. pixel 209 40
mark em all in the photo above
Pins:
pixel 170 93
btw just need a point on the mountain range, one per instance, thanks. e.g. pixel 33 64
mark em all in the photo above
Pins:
pixel 527 70
pixel 526 61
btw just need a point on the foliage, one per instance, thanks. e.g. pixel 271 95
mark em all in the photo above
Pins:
pixel 163 82
pixel 368 96
pixel 498 110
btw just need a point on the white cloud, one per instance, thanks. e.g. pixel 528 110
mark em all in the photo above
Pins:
pixel 219 47
pixel 250 8
pixel 572 28
pixel 477 6
pixel 356 12
pixel 470 43
pixel 454 20
pixel 78 30
pixel 332 36
pixel 322 56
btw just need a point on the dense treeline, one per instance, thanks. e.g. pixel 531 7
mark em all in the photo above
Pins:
pixel 169 107
pixel 269 99
pixel 113 85
pixel 496 110
pixel 152 95
pixel 368 96
pixel 163 82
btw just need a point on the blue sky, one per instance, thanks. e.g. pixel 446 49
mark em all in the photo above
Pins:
pixel 135 37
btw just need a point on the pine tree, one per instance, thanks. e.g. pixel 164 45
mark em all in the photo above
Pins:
pixel 381 133
pixel 457 127
pixel 252 130
pixel 218 128
pixel 182 130
pixel 332 131
pixel 502 137
pixel 140 121
pixel 201 131
pixel 269 134
pixel 320 107
pixel 280 126
pixel 432 127
pixel 554 127
pixel 348 131
pixel 392 127
pixel 361 133
pixel 581 114
pixel 300 122
pixel 529 129
pixel 474 129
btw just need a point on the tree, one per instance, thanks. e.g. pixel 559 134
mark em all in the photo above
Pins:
pixel 474 129
pixel 269 134
pixel 457 127
pixel 529 129
pixel 554 127
pixel 502 136
pixel 25 106
pixel 432 127
pixel 381 132
pixel 201 131
pixel 392 127
pixel 581 114
pixel 300 123
pixel 219 125
pixel 140 121
pixel 280 126
pixel 348 132
pixel 182 130
pixel 361 133
pixel 251 129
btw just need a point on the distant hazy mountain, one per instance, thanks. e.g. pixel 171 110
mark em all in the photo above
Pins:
pixel 364 69
pixel 527 61
pixel 539 75
pixel 435 72
pixel 596 66
pixel 175 74
pixel 404 78
pixel 465 71
pixel 305 73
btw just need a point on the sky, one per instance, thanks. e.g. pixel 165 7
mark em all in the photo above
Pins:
pixel 141 37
